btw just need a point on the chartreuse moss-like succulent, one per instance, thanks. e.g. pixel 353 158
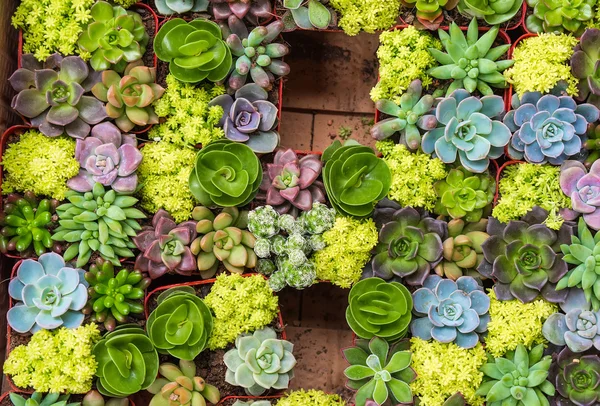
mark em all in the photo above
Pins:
pixel 170 7
pixel 311 397
pixel 390 315
pixel 366 15
pixel 493 12
pixel 179 386
pixel 113 297
pixel 462 250
pixel 98 221
pixel 194 50
pixel 570 16
pixel 379 372
pixel 260 362
pixel 584 65
pixel 521 375
pixel 430 12
pixel 39 399
pixel 576 377
pixel 48 294
pixel 181 323
pixel 114 37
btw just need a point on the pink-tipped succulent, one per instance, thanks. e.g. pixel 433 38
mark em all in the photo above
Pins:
pixel 291 182
pixel 584 189
pixel 165 247
pixel 107 157
pixel 252 10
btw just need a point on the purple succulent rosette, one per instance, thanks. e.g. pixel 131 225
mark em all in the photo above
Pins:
pixel 107 157
pixel 586 68
pixel 577 378
pixel 450 311
pixel 583 188
pixel 524 258
pixel 165 247
pixel 248 117
pixel 252 10
pixel 547 128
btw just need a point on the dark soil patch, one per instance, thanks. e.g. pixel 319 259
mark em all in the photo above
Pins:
pixel 162 70
pixel 151 28
pixel 408 16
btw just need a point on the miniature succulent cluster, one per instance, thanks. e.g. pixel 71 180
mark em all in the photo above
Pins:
pixel 560 16
pixel 493 12
pixel 430 13
pixel 251 10
pixel 462 251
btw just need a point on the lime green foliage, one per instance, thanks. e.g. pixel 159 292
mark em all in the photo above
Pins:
pixel 349 245
pixel 240 305
pixel 51 26
pixel 366 15
pixel 125 3
pixel 541 62
pixel 413 175
pixel 311 397
pixel 445 369
pixel 189 120
pixel 39 164
pixel 513 323
pixel 164 174
pixel 56 361
pixel 524 186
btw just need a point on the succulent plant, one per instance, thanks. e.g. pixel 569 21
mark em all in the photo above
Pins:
pixel 222 238
pixel 179 386
pixel 111 298
pixel 194 50
pixel 584 189
pixel 107 157
pixel 450 311
pixel 584 64
pixel 307 15
pixel 470 61
pixel 49 294
pixel 465 195
pixel 181 323
pixel 547 128
pixel 129 98
pixel 94 398
pixel 26 224
pixel 170 7
pixel 165 247
pixel 560 15
pixel 379 308
pixel 260 362
pixel 355 178
pixel 258 56
pixel 430 12
pixel 114 37
pixel 493 12
pixel 98 221
pixel 590 149
pixel 462 250
pixel 409 247
pixel 39 399
pixel 524 258
pixel 291 182
pixel 53 96
pixel 252 403
pixel 252 10
pixel 469 127
pixel 576 378
pixel 520 377
pixel 249 118
pixel 226 174
pixel 379 372
pixel 407 118
pixel 127 361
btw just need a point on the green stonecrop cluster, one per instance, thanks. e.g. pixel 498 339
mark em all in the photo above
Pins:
pixel 56 361
pixel 523 186
pixel 39 164
pixel 188 118
pixel 51 26
pixel 403 57
pixel 163 176
pixel 311 397
pixel 366 15
pixel 240 305
pixel 125 3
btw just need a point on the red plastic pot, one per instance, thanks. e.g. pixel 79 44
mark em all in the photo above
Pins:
pixel 248 398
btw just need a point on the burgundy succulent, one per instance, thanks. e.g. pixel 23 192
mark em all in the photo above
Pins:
pixel 577 378
pixel 165 247
pixel 252 10
pixel 291 182
pixel 107 157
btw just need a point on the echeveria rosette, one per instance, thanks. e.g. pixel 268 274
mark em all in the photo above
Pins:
pixel 409 247
pixel 525 260
pixel 450 311
pixel 379 372
pixel 170 7
pixel 127 361
pixel 558 16
pixel 252 10
pixel 49 294
pixel 53 95
pixel 290 182
pixel 260 362
pixel 306 15
pixel 469 129
pixel 194 50
pixel 389 316
pixel 430 12
pixel 584 189
pixel 114 37
pixel 249 118
pixel 181 323
pixel 412 114
pixel 577 378
pixel 547 128
pixel 470 61
pixel 493 12
pixel 586 68
pixel 518 378
pixel 107 157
